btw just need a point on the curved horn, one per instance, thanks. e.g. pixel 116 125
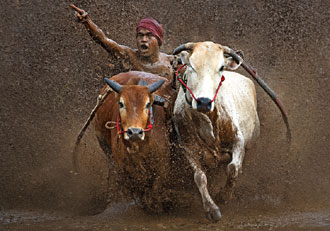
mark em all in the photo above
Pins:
pixel 232 53
pixel 154 87
pixel 183 47
pixel 115 86
pixel 272 95
pixel 263 85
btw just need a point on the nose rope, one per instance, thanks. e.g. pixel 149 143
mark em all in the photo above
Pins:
pixel 222 79
pixel 183 82
pixel 144 130
pixel 191 93
pixel 108 125
pixel 118 129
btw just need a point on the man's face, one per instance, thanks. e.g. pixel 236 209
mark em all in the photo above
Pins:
pixel 147 43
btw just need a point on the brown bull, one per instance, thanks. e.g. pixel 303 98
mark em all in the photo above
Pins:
pixel 134 134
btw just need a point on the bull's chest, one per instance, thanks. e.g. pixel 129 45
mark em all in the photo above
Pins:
pixel 141 164
pixel 210 138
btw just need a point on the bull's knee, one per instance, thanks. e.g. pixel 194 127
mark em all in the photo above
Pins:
pixel 200 178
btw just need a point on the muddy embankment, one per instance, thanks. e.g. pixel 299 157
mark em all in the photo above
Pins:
pixel 51 72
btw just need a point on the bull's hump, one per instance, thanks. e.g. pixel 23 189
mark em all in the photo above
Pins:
pixel 133 77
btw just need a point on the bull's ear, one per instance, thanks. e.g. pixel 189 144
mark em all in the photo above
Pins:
pixel 230 64
pixel 232 60
pixel 158 100
pixel 184 56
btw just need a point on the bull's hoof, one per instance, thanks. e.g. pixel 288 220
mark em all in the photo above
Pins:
pixel 214 215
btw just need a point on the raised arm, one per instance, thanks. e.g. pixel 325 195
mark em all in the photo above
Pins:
pixel 98 35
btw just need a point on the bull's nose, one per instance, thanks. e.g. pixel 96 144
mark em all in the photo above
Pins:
pixel 135 133
pixel 204 104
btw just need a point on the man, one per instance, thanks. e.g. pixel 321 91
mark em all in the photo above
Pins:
pixel 149 38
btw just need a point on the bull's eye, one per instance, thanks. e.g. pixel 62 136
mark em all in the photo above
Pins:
pixel 221 68
pixel 121 105
pixel 148 105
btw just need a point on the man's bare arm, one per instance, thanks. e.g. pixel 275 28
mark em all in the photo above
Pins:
pixel 98 35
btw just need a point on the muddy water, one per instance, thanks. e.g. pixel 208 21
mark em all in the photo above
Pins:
pixel 128 217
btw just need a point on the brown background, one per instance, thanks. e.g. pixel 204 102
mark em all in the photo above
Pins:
pixel 51 72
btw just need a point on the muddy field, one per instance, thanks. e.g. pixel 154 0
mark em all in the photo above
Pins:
pixel 51 72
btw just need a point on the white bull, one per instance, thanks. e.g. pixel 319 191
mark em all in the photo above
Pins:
pixel 208 120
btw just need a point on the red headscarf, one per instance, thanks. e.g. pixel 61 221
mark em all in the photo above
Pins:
pixel 153 26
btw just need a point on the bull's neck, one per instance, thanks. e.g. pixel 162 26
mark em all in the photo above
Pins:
pixel 204 123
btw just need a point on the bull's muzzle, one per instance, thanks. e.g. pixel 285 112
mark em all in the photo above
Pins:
pixel 204 104
pixel 135 134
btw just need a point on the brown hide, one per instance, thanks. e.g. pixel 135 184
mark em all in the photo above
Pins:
pixel 143 173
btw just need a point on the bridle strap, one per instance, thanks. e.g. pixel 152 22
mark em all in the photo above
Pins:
pixel 216 93
pixel 149 126
pixel 188 102
pixel 191 93
pixel 118 129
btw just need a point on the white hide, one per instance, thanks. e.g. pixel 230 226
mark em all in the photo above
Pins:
pixel 236 101
pixel 235 105
pixel 238 97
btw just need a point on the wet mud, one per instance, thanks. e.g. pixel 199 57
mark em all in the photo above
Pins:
pixel 128 217
pixel 51 72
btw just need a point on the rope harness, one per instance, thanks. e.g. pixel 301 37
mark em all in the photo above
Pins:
pixel 149 126
pixel 184 86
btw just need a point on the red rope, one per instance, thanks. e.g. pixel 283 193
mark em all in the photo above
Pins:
pixel 191 93
pixel 118 129
pixel 222 79
pixel 177 72
pixel 145 130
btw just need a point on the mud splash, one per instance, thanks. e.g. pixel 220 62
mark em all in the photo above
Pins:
pixel 128 217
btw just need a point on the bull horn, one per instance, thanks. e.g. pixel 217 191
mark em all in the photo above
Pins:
pixel 154 87
pixel 183 47
pixel 158 100
pixel 232 53
pixel 115 86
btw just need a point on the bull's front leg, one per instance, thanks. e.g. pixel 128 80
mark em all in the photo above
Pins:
pixel 211 209
pixel 234 167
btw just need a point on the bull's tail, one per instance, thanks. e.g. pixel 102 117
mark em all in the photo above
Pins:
pixel 100 100
pixel 272 94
